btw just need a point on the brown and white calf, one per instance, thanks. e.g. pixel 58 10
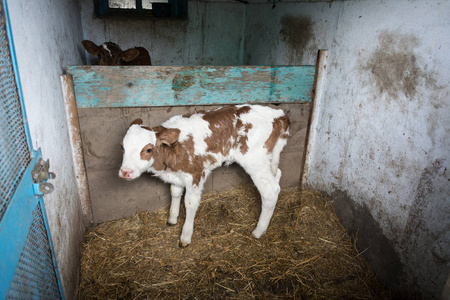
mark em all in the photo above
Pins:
pixel 110 54
pixel 185 149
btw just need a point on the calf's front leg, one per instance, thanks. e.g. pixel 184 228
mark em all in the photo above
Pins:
pixel 191 202
pixel 176 192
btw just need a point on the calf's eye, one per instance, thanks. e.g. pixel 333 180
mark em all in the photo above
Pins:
pixel 149 150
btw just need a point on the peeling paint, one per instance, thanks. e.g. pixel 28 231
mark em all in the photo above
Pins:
pixel 181 82
pixel 166 86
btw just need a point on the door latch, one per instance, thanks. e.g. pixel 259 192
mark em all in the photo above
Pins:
pixel 40 176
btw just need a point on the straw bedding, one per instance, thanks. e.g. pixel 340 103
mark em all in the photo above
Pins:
pixel 305 254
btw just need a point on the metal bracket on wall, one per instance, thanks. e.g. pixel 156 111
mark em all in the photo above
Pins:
pixel 40 176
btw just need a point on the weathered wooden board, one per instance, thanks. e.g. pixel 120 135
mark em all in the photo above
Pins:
pixel 138 86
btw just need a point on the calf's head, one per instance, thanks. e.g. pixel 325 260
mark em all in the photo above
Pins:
pixel 110 54
pixel 142 146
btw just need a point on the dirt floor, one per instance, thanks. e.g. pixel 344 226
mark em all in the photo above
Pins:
pixel 305 254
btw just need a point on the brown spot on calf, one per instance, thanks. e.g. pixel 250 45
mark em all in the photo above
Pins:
pixel 280 125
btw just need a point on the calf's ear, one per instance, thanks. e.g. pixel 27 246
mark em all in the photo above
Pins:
pixel 90 47
pixel 130 54
pixel 167 136
pixel 138 121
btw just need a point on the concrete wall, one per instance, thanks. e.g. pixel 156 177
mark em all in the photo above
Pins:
pixel 46 35
pixel 382 142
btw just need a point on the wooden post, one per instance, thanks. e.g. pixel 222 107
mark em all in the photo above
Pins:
pixel 77 148
pixel 316 105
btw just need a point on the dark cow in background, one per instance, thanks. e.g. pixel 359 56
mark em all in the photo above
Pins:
pixel 110 54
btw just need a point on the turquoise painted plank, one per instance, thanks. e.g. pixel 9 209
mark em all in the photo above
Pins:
pixel 138 86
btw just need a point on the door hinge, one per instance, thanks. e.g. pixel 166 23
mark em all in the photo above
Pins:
pixel 40 176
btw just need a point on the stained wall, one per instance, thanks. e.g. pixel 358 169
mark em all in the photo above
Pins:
pixel 381 146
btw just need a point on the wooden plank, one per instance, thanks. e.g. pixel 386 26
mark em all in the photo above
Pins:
pixel 77 148
pixel 314 116
pixel 141 86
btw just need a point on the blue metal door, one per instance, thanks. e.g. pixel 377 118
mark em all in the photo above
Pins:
pixel 27 265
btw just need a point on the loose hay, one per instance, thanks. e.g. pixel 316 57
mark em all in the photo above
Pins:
pixel 305 254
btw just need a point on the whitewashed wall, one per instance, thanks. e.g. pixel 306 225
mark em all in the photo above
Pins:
pixel 46 35
pixel 382 146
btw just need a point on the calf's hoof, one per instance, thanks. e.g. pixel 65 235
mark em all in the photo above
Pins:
pixel 170 224
pixel 258 233
pixel 183 245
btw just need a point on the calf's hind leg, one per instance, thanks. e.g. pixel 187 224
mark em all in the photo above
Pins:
pixel 269 189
